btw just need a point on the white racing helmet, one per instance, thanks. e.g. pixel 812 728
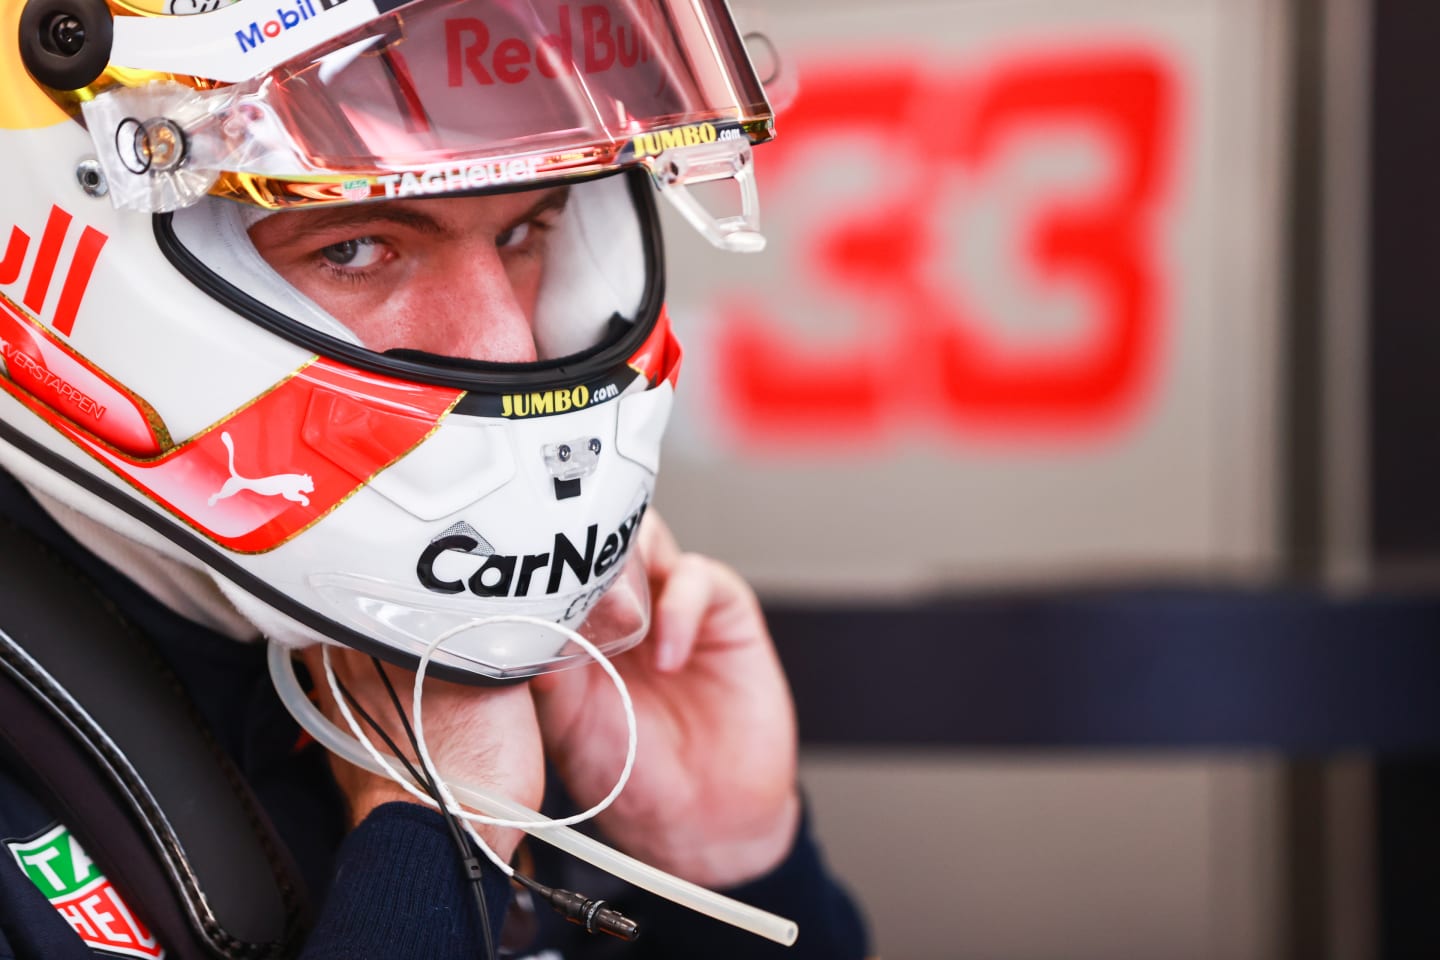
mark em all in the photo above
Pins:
pixel 153 359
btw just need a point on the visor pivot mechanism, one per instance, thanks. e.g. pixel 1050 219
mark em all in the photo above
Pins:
pixel 157 145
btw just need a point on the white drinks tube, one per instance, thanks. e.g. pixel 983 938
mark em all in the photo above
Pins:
pixel 683 892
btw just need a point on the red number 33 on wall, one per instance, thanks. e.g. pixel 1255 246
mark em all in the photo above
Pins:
pixel 925 353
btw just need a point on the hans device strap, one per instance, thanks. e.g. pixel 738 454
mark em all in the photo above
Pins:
pixel 112 746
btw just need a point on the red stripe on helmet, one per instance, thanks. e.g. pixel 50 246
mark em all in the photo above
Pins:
pixel 254 480
pixel 659 356
pixel 63 381
pixel 50 243
pixel 87 251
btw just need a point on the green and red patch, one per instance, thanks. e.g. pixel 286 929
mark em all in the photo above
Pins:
pixel 58 866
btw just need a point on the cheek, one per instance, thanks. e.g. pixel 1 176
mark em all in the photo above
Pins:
pixel 525 274
pixel 374 309
pixel 378 327
pixel 438 303
pixel 366 309
pixel 474 309
pixel 344 301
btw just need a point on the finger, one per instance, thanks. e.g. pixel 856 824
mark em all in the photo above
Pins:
pixel 658 546
pixel 559 683
pixel 734 607
pixel 684 602
pixel 561 699
pixel 313 657
pixel 360 683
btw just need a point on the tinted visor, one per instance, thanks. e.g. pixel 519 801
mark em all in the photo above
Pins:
pixel 562 85
pixel 438 96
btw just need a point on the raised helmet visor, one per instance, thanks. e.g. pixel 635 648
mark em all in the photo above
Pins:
pixel 313 101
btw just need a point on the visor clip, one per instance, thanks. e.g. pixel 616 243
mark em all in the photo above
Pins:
pixel 676 169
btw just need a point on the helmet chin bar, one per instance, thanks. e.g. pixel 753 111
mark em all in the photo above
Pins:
pixel 500 641
pixel 675 169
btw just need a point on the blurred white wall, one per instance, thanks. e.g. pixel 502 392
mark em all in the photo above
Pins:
pixel 1017 323
pixel 921 387
pixel 1002 858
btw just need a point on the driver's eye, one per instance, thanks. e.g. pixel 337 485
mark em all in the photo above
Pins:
pixel 358 253
pixel 514 236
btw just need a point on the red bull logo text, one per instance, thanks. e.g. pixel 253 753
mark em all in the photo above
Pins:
pixel 475 54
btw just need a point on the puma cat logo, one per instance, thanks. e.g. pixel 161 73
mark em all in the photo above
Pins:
pixel 291 486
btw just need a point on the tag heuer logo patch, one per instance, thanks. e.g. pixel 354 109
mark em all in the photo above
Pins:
pixel 59 868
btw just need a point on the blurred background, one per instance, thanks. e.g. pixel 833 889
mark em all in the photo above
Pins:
pixel 1075 429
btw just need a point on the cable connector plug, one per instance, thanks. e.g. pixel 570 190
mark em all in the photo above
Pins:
pixel 593 915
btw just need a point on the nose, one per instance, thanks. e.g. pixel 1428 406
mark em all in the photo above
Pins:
pixel 470 309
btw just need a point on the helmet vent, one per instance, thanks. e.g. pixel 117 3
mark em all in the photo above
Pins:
pixel 65 44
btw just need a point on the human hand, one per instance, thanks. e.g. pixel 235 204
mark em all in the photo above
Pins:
pixel 487 736
pixel 713 795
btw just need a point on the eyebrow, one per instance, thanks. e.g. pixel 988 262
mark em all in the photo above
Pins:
pixel 359 217
pixel 554 199
pixel 314 222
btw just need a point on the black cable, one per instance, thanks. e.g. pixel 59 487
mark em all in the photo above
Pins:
pixel 376 728
pixel 593 915
pixel 469 862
